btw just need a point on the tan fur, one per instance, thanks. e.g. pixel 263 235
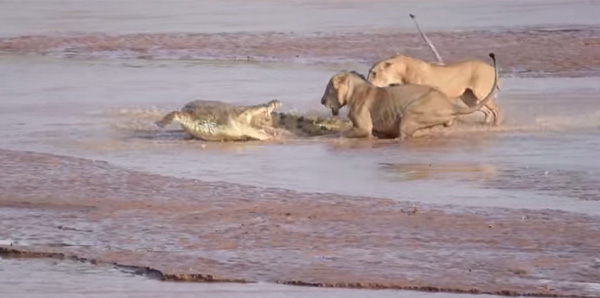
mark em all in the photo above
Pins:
pixel 393 111
pixel 468 80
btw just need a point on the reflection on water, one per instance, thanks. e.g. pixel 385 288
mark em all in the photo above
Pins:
pixel 413 171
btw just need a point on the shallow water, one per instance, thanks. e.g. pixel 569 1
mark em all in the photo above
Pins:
pixel 100 106
pixel 112 16
pixel 47 278
pixel 104 110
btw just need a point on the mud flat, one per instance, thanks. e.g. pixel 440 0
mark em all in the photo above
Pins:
pixel 105 204
pixel 522 52
pixel 539 38
pixel 100 212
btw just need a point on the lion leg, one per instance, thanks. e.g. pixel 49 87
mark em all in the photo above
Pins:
pixel 167 119
pixel 407 128
pixel 498 116
pixel 489 114
pixel 356 132
pixel 491 109
pixel 362 126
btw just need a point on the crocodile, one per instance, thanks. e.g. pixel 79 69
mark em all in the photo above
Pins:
pixel 309 126
pixel 218 121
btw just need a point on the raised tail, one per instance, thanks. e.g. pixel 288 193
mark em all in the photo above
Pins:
pixel 167 119
pixel 431 46
pixel 478 106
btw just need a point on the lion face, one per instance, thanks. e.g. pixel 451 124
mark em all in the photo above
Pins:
pixel 335 93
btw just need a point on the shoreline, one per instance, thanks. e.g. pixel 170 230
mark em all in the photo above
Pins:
pixel 152 273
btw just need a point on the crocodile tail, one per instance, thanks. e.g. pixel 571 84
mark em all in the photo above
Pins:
pixel 167 119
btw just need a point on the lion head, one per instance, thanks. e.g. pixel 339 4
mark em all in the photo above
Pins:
pixel 336 91
pixel 387 71
pixel 339 89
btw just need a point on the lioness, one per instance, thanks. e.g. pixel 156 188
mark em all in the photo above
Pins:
pixel 468 80
pixel 393 111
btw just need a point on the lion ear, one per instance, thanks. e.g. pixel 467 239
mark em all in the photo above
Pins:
pixel 339 80
pixel 335 82
pixel 343 79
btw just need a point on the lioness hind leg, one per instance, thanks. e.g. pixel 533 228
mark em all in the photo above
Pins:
pixel 491 109
pixel 498 117
pixel 489 114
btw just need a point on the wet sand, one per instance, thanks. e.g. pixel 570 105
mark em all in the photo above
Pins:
pixel 523 52
pixel 512 210
pixel 232 232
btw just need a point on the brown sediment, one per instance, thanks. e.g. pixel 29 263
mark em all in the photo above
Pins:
pixel 531 51
pixel 359 285
pixel 189 229
pixel 138 270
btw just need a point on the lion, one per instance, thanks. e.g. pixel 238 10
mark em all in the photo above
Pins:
pixel 394 111
pixel 466 80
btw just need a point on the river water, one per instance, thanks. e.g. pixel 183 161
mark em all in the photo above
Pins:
pixel 102 109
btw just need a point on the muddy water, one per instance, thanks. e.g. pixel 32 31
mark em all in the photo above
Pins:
pixel 21 278
pixel 104 110
pixel 111 16
pixel 439 213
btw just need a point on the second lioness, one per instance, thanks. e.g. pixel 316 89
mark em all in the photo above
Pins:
pixel 468 80
pixel 394 111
